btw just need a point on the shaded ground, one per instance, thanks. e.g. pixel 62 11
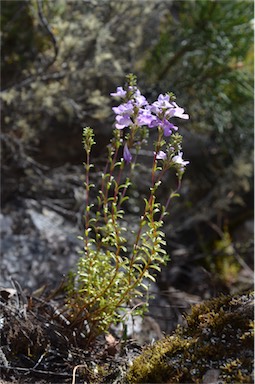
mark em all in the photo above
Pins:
pixel 38 344
pixel 40 221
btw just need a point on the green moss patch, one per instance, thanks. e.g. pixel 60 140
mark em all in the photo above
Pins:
pixel 218 337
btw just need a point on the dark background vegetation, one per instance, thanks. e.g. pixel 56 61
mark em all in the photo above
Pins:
pixel 60 61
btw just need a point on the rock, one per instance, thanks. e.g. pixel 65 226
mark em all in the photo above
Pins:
pixel 5 225
pixel 38 246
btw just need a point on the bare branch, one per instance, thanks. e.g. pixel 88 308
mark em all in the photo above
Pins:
pixel 46 25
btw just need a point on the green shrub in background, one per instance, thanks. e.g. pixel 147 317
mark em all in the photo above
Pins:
pixel 205 52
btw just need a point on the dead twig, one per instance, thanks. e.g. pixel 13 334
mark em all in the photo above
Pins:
pixel 75 369
pixel 32 370
pixel 41 357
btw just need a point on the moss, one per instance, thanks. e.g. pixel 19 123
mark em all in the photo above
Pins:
pixel 219 335
pixel 221 259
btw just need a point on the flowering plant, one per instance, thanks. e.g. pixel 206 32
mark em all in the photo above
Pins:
pixel 111 274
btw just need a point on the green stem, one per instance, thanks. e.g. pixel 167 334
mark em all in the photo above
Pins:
pixel 171 195
pixel 87 215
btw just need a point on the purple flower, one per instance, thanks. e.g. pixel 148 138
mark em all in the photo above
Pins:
pixel 170 109
pixel 140 100
pixel 120 92
pixel 178 160
pixel 123 113
pixel 167 127
pixel 161 155
pixel 126 154
pixel 124 109
pixel 123 121
pixel 145 117
pixel 137 111
pixel 160 104
pixel 178 112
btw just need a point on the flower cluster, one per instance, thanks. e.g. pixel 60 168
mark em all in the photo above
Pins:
pixel 135 111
